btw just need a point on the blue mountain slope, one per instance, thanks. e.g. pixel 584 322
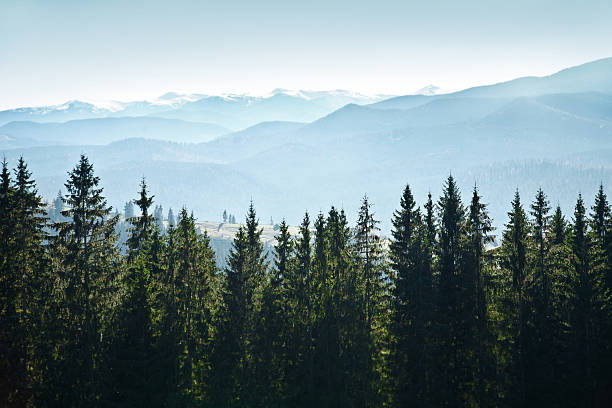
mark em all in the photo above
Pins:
pixel 106 130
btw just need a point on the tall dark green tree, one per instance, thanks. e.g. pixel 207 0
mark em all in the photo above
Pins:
pixel 412 301
pixel 87 267
pixel 269 348
pixel 232 358
pixel 192 280
pixel 371 285
pixel 300 299
pixel 131 355
pixel 479 231
pixel 142 226
pixel 22 266
pixel 587 315
pixel 514 246
pixel 450 319
pixel 541 358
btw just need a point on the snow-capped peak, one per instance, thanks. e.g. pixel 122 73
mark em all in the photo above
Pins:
pixel 429 90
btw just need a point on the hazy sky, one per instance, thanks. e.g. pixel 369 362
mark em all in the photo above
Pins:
pixel 55 50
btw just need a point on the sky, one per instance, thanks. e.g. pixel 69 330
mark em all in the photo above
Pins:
pixel 57 50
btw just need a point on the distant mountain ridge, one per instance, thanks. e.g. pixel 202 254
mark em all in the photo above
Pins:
pixel 233 111
pixel 595 76
pixel 519 133
pixel 106 130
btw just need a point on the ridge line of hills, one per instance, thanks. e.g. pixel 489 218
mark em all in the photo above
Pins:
pixel 529 132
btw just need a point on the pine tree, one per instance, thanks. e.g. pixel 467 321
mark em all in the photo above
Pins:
pixel 558 227
pixel 131 353
pixel 269 346
pixel 450 319
pixel 585 307
pixel 193 274
pixel 171 219
pixel 87 269
pixel 235 325
pixel 21 267
pixel 479 229
pixel 128 211
pixel 299 295
pixel 10 359
pixel 370 283
pixel 142 226
pixel 58 207
pixel 601 249
pixel 411 306
pixel 158 214
pixel 540 381
pixel 600 217
pixel 601 227
pixel 515 261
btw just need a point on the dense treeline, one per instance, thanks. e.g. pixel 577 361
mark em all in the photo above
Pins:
pixel 434 316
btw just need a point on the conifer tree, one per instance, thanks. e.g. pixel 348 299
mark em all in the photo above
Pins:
pixel 300 298
pixel 515 260
pixel 131 353
pixel 601 227
pixel 171 219
pixel 235 324
pixel 58 207
pixel 158 214
pixel 558 227
pixel 450 319
pixel 142 226
pixel 21 267
pixel 540 381
pixel 411 306
pixel 369 298
pixel 88 265
pixel 585 307
pixel 128 211
pixel 270 332
pixel 10 358
pixel 193 274
pixel 479 229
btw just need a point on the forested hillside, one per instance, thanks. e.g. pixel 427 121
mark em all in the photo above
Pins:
pixel 436 315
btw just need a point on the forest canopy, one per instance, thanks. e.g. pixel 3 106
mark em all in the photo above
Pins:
pixel 438 314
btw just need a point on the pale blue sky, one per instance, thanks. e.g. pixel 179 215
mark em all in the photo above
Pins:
pixel 52 51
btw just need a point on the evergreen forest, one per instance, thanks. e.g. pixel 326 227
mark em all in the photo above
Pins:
pixel 446 311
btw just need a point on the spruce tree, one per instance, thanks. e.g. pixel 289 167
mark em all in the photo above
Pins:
pixel 10 356
pixel 514 247
pixel 269 348
pixel 21 267
pixel 479 230
pixel 246 267
pixel 193 275
pixel 131 353
pixel 586 313
pixel 58 207
pixel 410 362
pixel 87 268
pixel 171 219
pixel 300 297
pixel 558 227
pixel 450 320
pixel 142 226
pixel 540 381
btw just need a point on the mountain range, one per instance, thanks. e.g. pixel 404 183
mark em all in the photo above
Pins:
pixel 231 111
pixel 292 152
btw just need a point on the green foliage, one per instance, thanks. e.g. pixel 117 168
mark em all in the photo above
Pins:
pixel 435 315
